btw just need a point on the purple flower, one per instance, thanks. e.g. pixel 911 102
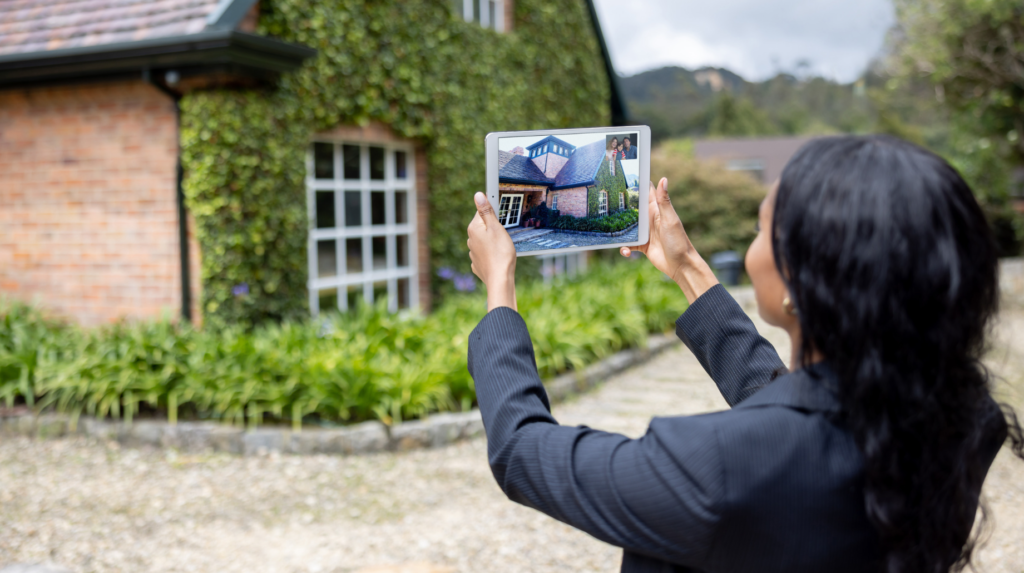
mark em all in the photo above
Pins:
pixel 465 283
pixel 241 289
pixel 446 273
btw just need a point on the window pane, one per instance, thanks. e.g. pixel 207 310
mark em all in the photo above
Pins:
pixel 400 169
pixel 402 250
pixel 377 213
pixel 354 255
pixel 380 291
pixel 354 294
pixel 376 163
pixel 327 258
pixel 403 293
pixel 401 207
pixel 323 160
pixel 353 209
pixel 328 300
pixel 324 209
pixel 350 156
pixel 380 253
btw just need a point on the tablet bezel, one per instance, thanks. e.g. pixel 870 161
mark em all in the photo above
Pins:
pixel 643 223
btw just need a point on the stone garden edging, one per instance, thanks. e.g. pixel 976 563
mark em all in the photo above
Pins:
pixel 368 437
pixel 596 234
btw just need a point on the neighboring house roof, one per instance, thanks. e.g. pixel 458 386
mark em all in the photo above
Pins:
pixel 61 39
pixel 765 155
pixel 579 171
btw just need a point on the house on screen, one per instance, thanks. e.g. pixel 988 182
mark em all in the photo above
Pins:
pixel 576 181
pixel 93 222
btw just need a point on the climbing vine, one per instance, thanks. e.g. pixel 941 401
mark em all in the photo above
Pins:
pixel 613 184
pixel 410 64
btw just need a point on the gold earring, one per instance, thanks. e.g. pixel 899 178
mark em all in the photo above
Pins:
pixel 788 307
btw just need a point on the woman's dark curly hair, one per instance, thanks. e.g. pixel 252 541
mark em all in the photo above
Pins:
pixel 893 269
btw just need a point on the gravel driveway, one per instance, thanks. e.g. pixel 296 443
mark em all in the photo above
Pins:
pixel 90 506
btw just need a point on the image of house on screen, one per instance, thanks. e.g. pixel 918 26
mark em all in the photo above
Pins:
pixel 576 181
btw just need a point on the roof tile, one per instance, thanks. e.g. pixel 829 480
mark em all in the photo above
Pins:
pixel 33 26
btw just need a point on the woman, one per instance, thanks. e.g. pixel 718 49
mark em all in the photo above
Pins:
pixel 869 455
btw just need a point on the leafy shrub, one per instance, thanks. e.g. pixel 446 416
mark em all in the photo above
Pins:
pixel 610 223
pixel 718 207
pixel 369 364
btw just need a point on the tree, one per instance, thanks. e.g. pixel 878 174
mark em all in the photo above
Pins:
pixel 731 116
pixel 973 50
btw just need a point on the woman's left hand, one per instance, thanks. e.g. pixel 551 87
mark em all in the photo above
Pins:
pixel 493 255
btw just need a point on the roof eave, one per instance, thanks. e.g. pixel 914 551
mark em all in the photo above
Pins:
pixel 258 55
pixel 512 181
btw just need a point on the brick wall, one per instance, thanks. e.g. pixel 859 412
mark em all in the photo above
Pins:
pixel 571 201
pixel 88 212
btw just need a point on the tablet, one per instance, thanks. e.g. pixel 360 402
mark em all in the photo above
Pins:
pixel 565 190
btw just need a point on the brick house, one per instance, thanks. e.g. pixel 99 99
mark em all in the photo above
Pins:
pixel 577 181
pixel 93 223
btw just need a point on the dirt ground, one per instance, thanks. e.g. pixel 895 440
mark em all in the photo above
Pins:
pixel 93 507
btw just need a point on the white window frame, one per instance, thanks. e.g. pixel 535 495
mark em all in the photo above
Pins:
pixel 554 202
pixel 498 25
pixel 366 230
pixel 602 200
pixel 622 201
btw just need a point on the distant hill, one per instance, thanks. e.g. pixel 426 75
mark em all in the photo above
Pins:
pixel 676 101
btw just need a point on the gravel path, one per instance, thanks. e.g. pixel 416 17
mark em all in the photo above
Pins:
pixel 89 506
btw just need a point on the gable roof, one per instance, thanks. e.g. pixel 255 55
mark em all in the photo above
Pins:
pixel 61 39
pixel 579 171
pixel 582 166
pixel 520 169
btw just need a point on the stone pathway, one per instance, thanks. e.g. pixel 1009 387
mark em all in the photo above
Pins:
pixel 88 506
pixel 558 239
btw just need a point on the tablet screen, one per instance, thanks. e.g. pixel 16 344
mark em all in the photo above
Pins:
pixel 569 190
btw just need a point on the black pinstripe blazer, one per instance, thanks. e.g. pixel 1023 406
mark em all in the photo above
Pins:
pixel 771 485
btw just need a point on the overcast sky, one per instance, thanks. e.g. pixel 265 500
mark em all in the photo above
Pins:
pixel 754 38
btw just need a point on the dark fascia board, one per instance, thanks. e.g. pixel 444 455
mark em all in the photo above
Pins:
pixel 208 48
pixel 620 115
pixel 522 182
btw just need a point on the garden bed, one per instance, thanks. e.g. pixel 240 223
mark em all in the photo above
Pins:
pixel 369 365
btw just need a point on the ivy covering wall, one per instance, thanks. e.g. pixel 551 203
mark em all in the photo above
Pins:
pixel 410 64
pixel 613 184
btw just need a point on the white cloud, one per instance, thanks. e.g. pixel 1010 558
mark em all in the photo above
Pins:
pixel 755 38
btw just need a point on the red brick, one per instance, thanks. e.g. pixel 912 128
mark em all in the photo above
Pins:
pixel 88 213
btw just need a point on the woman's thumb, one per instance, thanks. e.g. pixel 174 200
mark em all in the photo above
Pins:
pixel 483 206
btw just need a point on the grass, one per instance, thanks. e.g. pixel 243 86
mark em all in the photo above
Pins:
pixel 369 364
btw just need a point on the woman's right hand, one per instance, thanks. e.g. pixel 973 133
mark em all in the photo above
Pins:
pixel 670 250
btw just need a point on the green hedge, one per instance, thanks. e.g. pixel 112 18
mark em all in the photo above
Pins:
pixel 367 365
pixel 413 65
pixel 604 224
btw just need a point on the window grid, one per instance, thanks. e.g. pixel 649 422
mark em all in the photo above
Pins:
pixel 487 13
pixel 370 282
